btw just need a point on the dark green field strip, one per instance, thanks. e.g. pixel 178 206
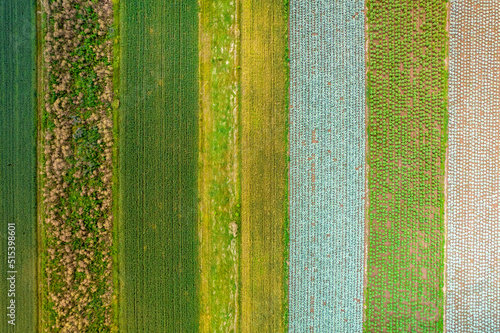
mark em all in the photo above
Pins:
pixel 264 115
pixel 17 163
pixel 158 140
pixel 407 140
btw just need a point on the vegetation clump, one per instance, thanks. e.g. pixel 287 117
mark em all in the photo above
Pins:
pixel 77 167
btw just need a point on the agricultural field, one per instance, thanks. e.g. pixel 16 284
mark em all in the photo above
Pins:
pixel 473 248
pixel 219 167
pixel 249 166
pixel 76 140
pixel 158 166
pixel 264 166
pixel 327 166
pixel 17 166
pixel 406 93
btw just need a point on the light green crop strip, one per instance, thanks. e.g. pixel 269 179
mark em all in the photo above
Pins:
pixel 406 86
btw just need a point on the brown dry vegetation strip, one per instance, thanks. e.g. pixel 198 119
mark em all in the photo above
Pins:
pixel 76 133
pixel 264 165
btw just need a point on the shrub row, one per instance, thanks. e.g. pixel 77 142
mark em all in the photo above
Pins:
pixel 77 152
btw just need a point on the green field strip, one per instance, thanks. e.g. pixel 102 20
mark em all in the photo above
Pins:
pixel 18 166
pixel 264 115
pixel 219 180
pixel 407 142
pixel 158 158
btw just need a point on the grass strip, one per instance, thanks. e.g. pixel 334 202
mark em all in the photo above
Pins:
pixel 219 180
pixel 117 246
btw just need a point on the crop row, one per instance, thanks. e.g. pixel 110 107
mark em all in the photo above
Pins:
pixel 264 165
pixel 18 251
pixel 158 166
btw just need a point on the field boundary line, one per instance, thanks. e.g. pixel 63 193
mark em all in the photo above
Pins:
pixel 40 230
pixel 117 246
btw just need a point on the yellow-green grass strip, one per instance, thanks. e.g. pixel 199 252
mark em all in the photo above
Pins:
pixel 219 174
pixel 264 161
pixel 157 166
pixel 406 93
pixel 18 301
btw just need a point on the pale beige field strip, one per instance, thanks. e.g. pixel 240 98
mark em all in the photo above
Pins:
pixel 473 249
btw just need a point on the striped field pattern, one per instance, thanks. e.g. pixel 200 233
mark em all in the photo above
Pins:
pixel 473 250
pixel 327 165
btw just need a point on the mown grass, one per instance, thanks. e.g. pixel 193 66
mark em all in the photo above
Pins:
pixel 219 181
pixel 157 166
pixel 407 122
pixel 18 160
pixel 264 165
